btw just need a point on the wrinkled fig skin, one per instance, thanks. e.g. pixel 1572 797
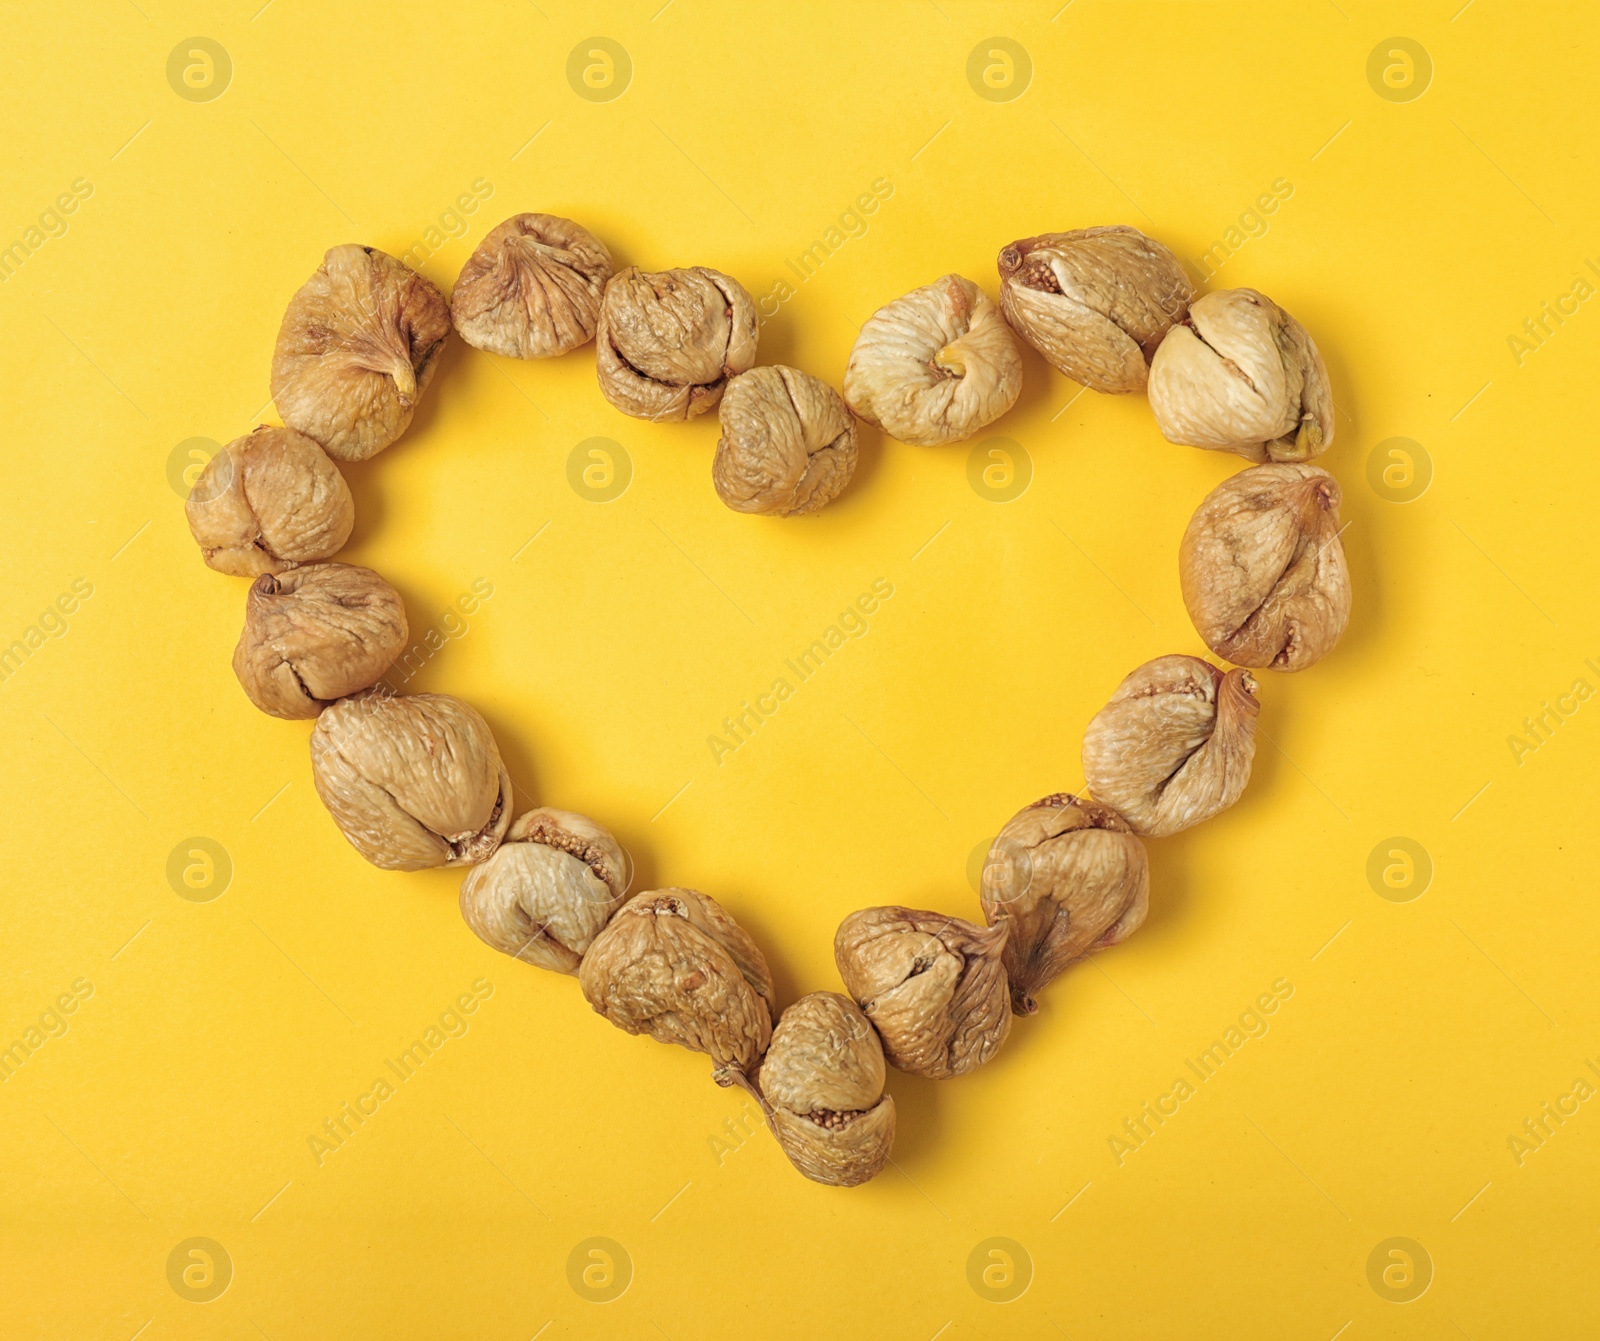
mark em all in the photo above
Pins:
pixel 268 502
pixel 821 1088
pixel 1239 374
pixel 788 443
pixel 316 634
pixel 934 366
pixel 1071 876
pixel 548 890
pixel 532 288
pixel 412 781
pixel 1174 745
pixel 934 986
pixel 357 348
pixel 673 965
pixel 1094 302
pixel 1262 569
pixel 667 343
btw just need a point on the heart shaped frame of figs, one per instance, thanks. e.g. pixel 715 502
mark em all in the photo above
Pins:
pixel 416 780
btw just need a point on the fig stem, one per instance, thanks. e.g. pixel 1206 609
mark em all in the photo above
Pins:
pixel 731 1075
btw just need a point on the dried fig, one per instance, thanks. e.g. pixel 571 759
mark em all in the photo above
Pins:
pixel 1095 302
pixel 412 781
pixel 673 965
pixel 788 444
pixel 1071 877
pixel 934 366
pixel 532 288
pixel 666 343
pixel 357 348
pixel 1262 568
pixel 548 890
pixel 1174 745
pixel 1239 374
pixel 933 985
pixel 316 634
pixel 821 1087
pixel 267 502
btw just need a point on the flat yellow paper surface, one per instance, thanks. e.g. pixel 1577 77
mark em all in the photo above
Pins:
pixel 1408 880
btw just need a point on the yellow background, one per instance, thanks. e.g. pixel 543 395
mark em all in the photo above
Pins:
pixel 220 1035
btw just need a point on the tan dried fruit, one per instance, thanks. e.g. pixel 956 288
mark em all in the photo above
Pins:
pixel 358 346
pixel 667 342
pixel 532 288
pixel 934 986
pixel 1095 302
pixel 821 1088
pixel 316 634
pixel 1262 568
pixel 788 443
pixel 1239 374
pixel 267 502
pixel 548 890
pixel 1071 877
pixel 934 366
pixel 1174 745
pixel 412 781
pixel 672 964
